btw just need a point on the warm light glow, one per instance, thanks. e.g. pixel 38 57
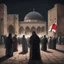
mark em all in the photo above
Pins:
pixel 28 35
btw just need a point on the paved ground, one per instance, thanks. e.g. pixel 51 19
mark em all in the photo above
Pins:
pixel 50 57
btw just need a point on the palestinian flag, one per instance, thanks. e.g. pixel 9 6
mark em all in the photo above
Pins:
pixel 52 28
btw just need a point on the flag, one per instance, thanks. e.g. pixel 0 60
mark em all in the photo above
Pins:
pixel 54 27
pixel 50 29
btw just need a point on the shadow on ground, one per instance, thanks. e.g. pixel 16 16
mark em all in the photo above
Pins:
pixel 35 62
pixel 48 51
pixel 3 58
pixel 23 53
pixel 62 51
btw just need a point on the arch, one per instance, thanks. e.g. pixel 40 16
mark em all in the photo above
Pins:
pixel 33 29
pixel 27 30
pixel 21 30
pixel 42 29
pixel 38 29
pixel 11 29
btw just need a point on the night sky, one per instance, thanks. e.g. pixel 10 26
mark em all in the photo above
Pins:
pixel 22 7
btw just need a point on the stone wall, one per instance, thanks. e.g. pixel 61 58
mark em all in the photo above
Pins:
pixel 52 18
pixel 3 19
pixel 56 14
pixel 13 19
pixel 60 20
pixel 35 25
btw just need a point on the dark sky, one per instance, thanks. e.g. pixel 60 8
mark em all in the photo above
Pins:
pixel 22 7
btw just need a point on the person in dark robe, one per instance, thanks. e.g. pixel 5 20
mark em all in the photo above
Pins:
pixel 53 43
pixel 2 39
pixel 44 43
pixel 5 40
pixel 24 45
pixel 8 45
pixel 63 41
pixel 59 40
pixel 50 43
pixel 15 44
pixel 34 42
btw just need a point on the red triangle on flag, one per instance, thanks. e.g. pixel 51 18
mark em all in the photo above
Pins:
pixel 54 27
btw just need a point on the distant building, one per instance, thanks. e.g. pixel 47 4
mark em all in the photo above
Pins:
pixel 56 15
pixel 9 23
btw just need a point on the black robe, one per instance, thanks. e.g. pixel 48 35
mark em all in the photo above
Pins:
pixel 15 44
pixel 50 43
pixel 34 47
pixel 54 43
pixel 9 47
pixel 44 44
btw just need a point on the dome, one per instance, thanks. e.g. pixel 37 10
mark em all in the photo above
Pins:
pixel 33 16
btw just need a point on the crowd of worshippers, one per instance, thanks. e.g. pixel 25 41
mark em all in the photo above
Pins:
pixel 11 44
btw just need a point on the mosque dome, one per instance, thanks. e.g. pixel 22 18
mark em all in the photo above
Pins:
pixel 33 16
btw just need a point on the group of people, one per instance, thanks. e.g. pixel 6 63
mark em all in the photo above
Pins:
pixel 60 40
pixel 52 43
pixel 11 45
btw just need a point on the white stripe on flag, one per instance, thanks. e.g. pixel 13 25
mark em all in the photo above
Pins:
pixel 50 28
pixel 53 30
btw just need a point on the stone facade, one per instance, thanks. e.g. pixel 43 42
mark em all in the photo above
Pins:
pixel 38 27
pixel 60 20
pixel 13 23
pixel 3 19
pixel 9 23
pixel 56 15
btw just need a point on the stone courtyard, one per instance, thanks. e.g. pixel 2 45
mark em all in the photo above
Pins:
pixel 49 57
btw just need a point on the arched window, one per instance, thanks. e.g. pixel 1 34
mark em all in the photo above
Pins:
pixel 11 29
pixel 27 30
pixel 33 29
pixel 42 29
pixel 21 30
pixel 38 29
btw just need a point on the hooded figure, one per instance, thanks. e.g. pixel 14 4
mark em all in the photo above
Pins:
pixel 9 47
pixel 50 43
pixel 34 42
pixel 24 45
pixel 44 43
pixel 15 44
pixel 54 43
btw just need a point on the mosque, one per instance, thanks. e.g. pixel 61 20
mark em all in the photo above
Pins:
pixel 33 21
pixel 9 23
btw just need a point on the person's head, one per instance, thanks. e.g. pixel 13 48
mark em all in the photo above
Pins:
pixel 10 35
pixel 44 36
pixel 33 33
pixel 23 36
pixel 50 37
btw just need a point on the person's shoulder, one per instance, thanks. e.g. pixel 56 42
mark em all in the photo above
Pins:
pixel 31 36
pixel 38 37
pixel 46 38
pixel 6 37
